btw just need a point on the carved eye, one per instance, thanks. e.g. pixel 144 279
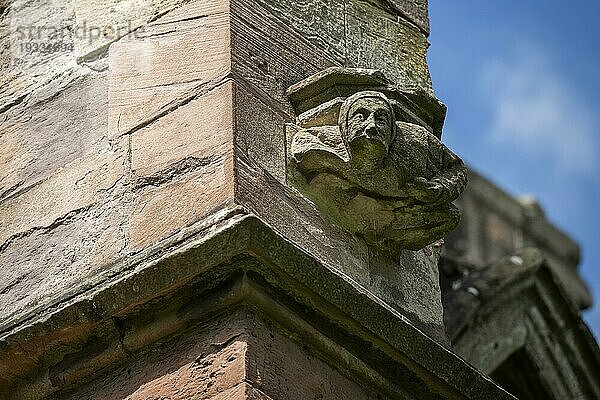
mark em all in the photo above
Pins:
pixel 361 114
pixel 382 118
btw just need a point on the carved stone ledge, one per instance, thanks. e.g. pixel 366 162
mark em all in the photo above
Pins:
pixel 236 281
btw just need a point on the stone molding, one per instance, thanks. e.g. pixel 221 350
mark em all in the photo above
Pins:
pixel 241 261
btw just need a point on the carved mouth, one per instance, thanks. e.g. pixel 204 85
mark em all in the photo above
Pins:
pixel 374 136
pixel 366 146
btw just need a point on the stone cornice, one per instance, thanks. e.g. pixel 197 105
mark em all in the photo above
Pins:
pixel 240 261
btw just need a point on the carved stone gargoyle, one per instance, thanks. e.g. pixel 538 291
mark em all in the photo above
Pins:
pixel 366 154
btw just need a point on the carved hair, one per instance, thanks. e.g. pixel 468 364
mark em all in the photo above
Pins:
pixel 347 104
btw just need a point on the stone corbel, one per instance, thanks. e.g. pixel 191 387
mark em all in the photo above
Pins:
pixel 361 153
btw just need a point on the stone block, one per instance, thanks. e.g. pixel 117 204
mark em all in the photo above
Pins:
pixel 183 166
pixel 267 57
pixel 58 124
pixel 224 359
pixel 49 265
pixel 100 23
pixel 202 364
pixel 29 32
pixel 271 56
pixel 416 11
pixel 70 189
pixel 260 132
pixel 378 39
pixel 299 374
pixel 161 211
pixel 321 22
pixel 180 55
pixel 197 132
pixel 364 35
pixel 59 235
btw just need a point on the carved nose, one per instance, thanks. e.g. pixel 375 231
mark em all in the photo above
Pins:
pixel 371 128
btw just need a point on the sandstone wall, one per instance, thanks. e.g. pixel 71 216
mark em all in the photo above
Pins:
pixel 123 141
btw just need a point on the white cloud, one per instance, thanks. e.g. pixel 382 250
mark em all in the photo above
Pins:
pixel 535 110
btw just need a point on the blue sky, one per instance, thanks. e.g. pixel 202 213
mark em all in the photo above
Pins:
pixel 522 84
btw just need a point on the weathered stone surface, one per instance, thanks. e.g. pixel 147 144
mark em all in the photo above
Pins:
pixel 206 377
pixel 196 132
pixel 27 30
pixel 224 359
pixel 270 56
pixel 62 218
pixel 364 35
pixel 243 391
pixel 393 281
pixel 36 140
pixel 157 70
pixel 415 11
pixel 260 132
pixel 190 283
pixel 62 222
pixel 379 40
pixel 200 365
pixel 321 22
pixel 50 242
pixel 159 212
pixel 299 374
pixel 85 179
pixel 168 179
pixel 49 265
pixel 103 22
pixel 183 166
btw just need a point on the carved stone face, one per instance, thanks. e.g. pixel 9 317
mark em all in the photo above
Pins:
pixel 370 118
pixel 367 125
